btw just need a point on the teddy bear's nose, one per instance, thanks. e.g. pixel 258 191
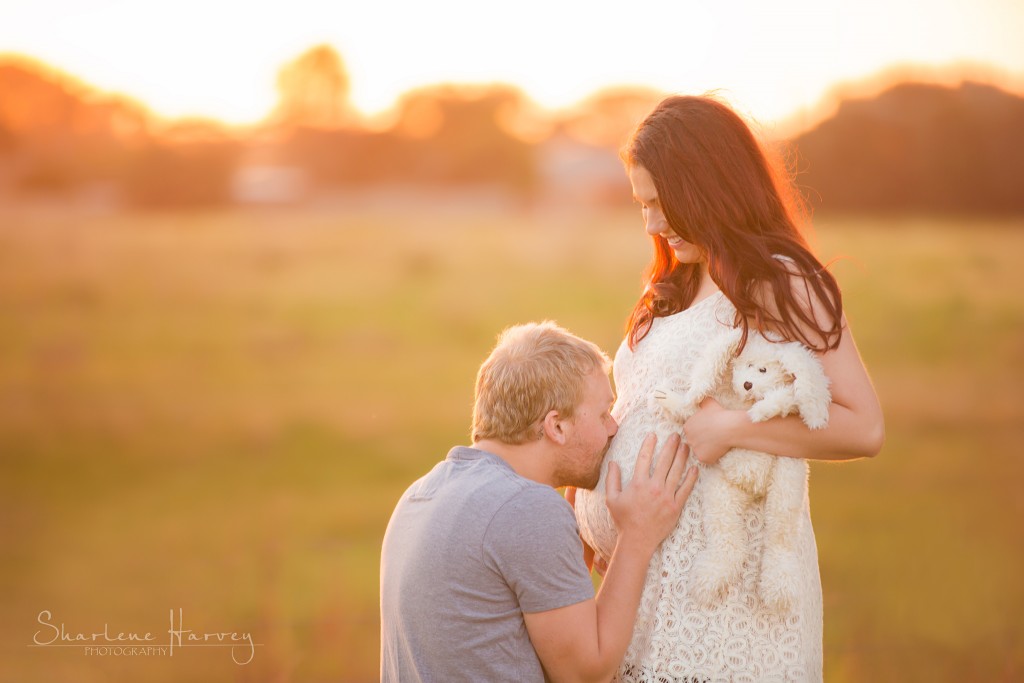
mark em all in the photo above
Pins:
pixel 747 385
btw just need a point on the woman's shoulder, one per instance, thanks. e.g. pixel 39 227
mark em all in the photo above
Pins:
pixel 790 265
pixel 807 294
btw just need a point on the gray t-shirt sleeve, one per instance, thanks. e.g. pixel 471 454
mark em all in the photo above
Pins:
pixel 533 543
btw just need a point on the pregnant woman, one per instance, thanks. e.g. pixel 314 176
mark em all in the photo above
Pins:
pixel 727 253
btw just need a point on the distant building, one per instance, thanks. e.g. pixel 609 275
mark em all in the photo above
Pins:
pixel 269 184
pixel 263 176
pixel 576 172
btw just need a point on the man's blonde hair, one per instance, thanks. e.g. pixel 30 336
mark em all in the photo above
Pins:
pixel 533 369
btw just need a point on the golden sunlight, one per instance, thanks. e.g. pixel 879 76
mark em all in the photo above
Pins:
pixel 220 60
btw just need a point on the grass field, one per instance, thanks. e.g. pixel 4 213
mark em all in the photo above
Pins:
pixel 217 412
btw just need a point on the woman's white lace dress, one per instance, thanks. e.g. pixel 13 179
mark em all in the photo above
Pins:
pixel 675 640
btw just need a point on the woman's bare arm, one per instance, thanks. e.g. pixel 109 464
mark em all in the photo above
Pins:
pixel 856 428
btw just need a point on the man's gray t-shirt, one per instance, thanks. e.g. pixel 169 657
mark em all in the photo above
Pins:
pixel 470 547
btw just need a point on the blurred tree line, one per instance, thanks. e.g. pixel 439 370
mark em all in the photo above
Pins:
pixel 919 148
pixel 914 147
pixel 59 137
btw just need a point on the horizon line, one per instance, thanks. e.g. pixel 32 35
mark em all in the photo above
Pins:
pixel 799 119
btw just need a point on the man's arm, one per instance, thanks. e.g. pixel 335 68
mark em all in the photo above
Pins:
pixel 586 641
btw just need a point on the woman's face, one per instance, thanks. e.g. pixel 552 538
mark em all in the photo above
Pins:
pixel 654 217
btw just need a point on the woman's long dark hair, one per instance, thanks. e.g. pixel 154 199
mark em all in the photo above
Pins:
pixel 720 193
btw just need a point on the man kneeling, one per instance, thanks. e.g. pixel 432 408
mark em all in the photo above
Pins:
pixel 482 570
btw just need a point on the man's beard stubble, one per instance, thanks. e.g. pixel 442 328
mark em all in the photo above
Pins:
pixel 586 480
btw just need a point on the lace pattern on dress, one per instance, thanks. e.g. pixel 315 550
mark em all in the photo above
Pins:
pixel 675 640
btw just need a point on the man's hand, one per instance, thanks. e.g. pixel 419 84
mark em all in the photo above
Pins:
pixel 586 641
pixel 647 511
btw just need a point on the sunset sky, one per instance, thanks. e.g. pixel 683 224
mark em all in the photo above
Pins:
pixel 219 58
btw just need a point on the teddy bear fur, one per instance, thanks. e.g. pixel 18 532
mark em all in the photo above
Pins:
pixel 767 379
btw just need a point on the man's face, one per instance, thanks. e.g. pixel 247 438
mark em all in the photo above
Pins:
pixel 592 428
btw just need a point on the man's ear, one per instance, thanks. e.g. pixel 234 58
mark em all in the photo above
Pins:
pixel 554 427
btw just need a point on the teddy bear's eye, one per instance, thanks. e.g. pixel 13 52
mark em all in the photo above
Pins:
pixel 762 369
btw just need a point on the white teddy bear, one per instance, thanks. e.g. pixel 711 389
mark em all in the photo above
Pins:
pixel 768 379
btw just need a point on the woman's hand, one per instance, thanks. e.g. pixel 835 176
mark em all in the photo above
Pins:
pixel 709 430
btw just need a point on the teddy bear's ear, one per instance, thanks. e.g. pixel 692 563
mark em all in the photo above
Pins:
pixel 810 383
pixel 710 370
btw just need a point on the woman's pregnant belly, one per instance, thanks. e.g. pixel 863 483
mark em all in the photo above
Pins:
pixel 596 526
